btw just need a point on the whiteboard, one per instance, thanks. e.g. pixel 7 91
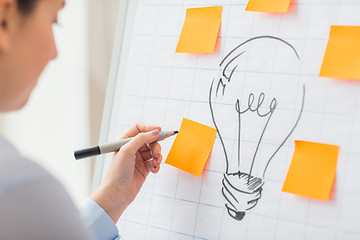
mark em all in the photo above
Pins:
pixel 264 59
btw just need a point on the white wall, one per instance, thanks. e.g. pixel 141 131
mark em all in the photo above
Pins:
pixel 102 22
pixel 55 122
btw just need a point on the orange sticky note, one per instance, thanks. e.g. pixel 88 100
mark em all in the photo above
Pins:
pixel 342 56
pixel 312 170
pixel 192 147
pixel 200 30
pixel 270 6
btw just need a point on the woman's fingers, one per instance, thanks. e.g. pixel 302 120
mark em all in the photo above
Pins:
pixel 146 155
pixel 155 150
pixel 152 157
pixel 156 165
pixel 146 160
pixel 139 140
pixel 157 157
pixel 139 128
pixel 140 166
pixel 145 148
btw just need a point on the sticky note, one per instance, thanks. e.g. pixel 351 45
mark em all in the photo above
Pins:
pixel 192 147
pixel 200 30
pixel 270 6
pixel 342 55
pixel 312 170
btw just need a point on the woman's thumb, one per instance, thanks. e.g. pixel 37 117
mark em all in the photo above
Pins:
pixel 139 140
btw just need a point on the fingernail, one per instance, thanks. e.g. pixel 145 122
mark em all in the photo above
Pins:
pixel 155 132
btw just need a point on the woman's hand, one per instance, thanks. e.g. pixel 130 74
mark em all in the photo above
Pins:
pixel 129 169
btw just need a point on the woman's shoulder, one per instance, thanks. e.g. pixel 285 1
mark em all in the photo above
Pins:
pixel 16 170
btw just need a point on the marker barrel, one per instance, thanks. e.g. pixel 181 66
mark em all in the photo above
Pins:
pixel 114 146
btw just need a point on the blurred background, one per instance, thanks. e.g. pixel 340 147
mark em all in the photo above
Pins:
pixel 65 110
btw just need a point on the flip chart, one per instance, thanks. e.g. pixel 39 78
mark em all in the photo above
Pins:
pixel 261 90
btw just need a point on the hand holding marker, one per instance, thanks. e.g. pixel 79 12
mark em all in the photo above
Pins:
pixel 114 146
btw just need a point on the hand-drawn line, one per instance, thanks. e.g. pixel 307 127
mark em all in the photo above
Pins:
pixel 292 130
pixel 242 190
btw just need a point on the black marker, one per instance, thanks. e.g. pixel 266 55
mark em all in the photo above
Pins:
pixel 114 146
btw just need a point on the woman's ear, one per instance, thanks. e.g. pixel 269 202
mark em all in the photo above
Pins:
pixel 7 8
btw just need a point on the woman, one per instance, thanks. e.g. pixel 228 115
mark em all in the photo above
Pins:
pixel 33 204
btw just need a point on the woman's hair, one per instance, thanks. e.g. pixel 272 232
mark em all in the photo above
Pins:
pixel 26 6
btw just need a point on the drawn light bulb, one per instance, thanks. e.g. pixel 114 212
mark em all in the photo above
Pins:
pixel 245 111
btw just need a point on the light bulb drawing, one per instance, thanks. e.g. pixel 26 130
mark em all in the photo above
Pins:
pixel 242 186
